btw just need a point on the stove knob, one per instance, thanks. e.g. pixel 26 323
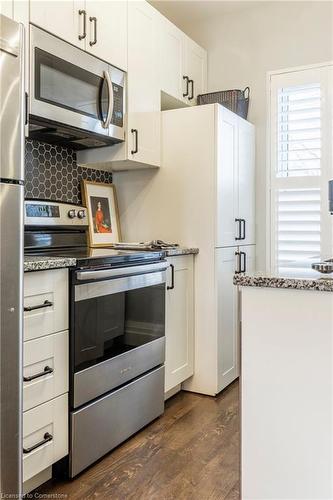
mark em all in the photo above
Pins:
pixel 81 214
pixel 71 214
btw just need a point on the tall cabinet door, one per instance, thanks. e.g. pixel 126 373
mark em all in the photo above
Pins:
pixel 171 56
pixel 227 324
pixel 179 335
pixel 227 178
pixel 61 17
pixel 246 180
pixel 107 31
pixel 195 69
pixel 144 124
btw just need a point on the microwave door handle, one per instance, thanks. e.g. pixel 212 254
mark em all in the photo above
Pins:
pixel 107 121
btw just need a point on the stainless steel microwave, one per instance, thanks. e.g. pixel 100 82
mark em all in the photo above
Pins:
pixel 76 99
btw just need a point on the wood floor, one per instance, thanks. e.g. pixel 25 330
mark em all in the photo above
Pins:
pixel 190 453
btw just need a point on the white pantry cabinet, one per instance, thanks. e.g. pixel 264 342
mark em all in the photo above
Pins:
pixel 179 336
pixel 228 262
pixel 61 18
pixel 235 181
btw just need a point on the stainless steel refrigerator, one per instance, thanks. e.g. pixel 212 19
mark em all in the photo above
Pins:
pixel 11 253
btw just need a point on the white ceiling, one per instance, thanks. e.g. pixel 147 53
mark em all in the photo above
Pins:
pixel 182 12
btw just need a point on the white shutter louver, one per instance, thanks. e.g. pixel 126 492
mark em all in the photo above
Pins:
pixel 299 130
pixel 298 230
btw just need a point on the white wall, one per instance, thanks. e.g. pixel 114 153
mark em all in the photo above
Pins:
pixel 244 43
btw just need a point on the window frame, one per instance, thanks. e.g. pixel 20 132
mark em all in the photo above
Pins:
pixel 289 77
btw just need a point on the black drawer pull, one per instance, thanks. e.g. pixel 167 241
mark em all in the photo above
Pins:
pixel 172 278
pixel 47 437
pixel 239 263
pixel 83 13
pixel 93 20
pixel 243 264
pixel 47 303
pixel 47 370
pixel 243 223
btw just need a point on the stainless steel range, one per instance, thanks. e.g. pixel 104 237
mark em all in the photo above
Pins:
pixel 117 331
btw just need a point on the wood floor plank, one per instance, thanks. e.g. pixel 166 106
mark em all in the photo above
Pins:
pixel 190 453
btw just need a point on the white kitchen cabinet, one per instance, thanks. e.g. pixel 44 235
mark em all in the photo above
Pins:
pixel 47 422
pixel 171 59
pixel 179 336
pixel 182 64
pixel 246 179
pixel 195 67
pixel 107 31
pixel 61 18
pixel 228 261
pixel 144 128
pixel 235 181
pixel 45 303
pixel 7 8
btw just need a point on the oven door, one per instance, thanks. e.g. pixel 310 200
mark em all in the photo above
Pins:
pixel 73 88
pixel 118 323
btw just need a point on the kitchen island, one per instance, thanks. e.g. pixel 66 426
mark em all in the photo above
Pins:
pixel 286 387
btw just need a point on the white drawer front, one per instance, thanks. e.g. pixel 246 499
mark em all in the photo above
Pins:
pixel 52 418
pixel 39 355
pixel 44 286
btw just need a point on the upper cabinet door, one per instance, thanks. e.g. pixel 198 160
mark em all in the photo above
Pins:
pixel 195 69
pixel 107 31
pixel 246 181
pixel 171 59
pixel 61 18
pixel 228 229
pixel 144 122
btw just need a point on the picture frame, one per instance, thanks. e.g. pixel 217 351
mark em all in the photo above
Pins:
pixel 100 200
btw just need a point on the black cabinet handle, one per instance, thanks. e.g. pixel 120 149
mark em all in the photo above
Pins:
pixel 47 303
pixel 239 237
pixel 187 81
pixel 243 262
pixel 243 224
pixel 239 263
pixel 83 13
pixel 172 278
pixel 93 20
pixel 47 437
pixel 136 147
pixel 192 90
pixel 47 370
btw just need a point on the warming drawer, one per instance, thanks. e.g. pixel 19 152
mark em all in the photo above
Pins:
pixel 104 424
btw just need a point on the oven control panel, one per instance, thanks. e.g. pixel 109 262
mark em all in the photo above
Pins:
pixel 52 213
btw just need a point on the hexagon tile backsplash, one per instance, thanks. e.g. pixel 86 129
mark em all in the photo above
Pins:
pixel 51 173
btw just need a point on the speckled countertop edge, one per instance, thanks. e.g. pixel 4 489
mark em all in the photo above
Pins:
pixel 320 284
pixel 173 252
pixel 43 263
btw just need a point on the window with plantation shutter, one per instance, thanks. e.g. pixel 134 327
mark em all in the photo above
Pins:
pixel 301 165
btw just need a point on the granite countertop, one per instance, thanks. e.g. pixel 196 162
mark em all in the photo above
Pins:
pixel 42 263
pixel 261 280
pixel 173 252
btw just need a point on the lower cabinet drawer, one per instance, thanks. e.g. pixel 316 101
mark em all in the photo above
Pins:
pixel 45 369
pixel 45 303
pixel 102 425
pixel 45 436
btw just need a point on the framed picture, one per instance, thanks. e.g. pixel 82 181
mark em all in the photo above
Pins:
pixel 101 202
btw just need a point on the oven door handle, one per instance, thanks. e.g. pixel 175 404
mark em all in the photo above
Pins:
pixel 119 272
